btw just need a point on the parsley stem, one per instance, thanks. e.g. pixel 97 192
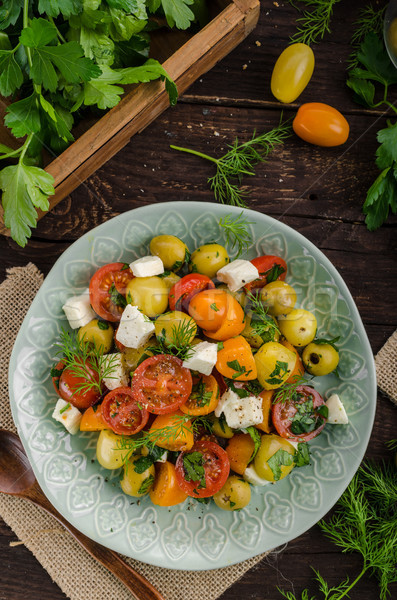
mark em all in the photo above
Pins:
pixel 196 153
pixel 26 24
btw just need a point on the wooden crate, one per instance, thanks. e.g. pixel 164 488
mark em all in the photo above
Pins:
pixel 185 57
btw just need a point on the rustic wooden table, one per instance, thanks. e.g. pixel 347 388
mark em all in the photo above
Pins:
pixel 318 192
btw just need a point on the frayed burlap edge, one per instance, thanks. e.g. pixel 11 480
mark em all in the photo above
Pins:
pixel 69 565
pixel 386 368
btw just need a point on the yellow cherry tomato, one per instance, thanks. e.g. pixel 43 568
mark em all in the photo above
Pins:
pixel 292 72
pixel 274 363
pixel 99 333
pixel 279 297
pixel 208 259
pixel 173 252
pixel 235 494
pixel 174 325
pixel 270 444
pixel 298 327
pixel 149 294
pixel 135 482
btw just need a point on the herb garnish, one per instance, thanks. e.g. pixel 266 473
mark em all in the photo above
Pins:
pixel 279 372
pixel 370 20
pixel 237 232
pixel 315 23
pixel 240 369
pixel 180 340
pixel 65 408
pixel 262 323
pixel 116 298
pixel 279 459
pixel 193 464
pixel 199 395
pixel 146 485
pixel 365 522
pixel 306 418
pixel 240 160
pixel 288 390
pixel 85 361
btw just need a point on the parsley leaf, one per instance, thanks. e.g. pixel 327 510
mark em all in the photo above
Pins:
pixel 302 455
pixel 193 464
pixel 117 298
pixel 281 458
pixel 9 12
pixel 23 117
pixel 152 69
pixel 24 188
pixel 11 77
pixel 256 438
pixel 240 369
pixel 381 197
pixel 55 7
pixel 177 12
pixel 146 485
pixel 142 464
pixel 277 376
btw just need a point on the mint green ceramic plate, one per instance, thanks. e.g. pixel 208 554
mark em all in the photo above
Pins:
pixel 191 535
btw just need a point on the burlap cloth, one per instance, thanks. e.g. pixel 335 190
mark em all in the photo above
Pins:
pixel 72 568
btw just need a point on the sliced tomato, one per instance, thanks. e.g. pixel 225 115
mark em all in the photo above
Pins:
pixel 211 464
pixel 56 373
pixel 107 290
pixel 122 412
pixel 204 397
pixel 161 384
pixel 270 269
pixel 299 419
pixel 70 385
pixel 183 290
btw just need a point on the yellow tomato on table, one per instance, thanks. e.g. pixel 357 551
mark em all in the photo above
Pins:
pixel 292 72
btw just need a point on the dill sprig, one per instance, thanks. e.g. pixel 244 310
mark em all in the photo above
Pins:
pixel 237 232
pixel 180 341
pixel 239 161
pixel 365 521
pixel 314 23
pixel 181 426
pixel 85 361
pixel 262 323
pixel 288 390
pixel 370 20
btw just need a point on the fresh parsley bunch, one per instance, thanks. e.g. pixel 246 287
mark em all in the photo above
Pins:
pixel 58 57
pixel 375 67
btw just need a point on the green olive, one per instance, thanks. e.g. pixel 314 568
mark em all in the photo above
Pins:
pixel 99 333
pixel 221 429
pixel 268 331
pixel 108 451
pixel 172 251
pixel 270 444
pixel 279 297
pixel 137 484
pixel 208 259
pixel 173 326
pixel 320 359
pixel 235 494
pixel 170 279
pixel 298 327
pixel 274 363
pixel 149 294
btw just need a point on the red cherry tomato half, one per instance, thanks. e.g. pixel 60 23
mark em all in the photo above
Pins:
pixel 69 384
pixel 56 373
pixel 209 461
pixel 110 278
pixel 321 124
pixel 161 384
pixel 270 269
pixel 122 413
pixel 183 290
pixel 299 420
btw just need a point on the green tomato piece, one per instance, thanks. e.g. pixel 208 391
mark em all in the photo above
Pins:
pixel 208 259
pixel 172 251
pixel 272 444
pixel 134 483
pixel 108 451
pixel 99 333
pixel 149 294
pixel 235 494
pixel 320 359
pixel 298 327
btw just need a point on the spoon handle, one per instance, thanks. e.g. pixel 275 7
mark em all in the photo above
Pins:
pixel 138 585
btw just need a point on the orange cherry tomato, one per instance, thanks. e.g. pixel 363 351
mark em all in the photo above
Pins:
pixel 218 313
pixel 183 440
pixel 321 124
pixel 204 397
pixel 266 425
pixel 92 420
pixel 165 490
pixel 240 449
pixel 236 361
pixel 298 369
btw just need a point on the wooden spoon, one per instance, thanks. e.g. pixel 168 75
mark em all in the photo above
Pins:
pixel 17 479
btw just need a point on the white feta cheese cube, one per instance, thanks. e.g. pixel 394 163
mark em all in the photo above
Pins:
pixel 252 476
pixel 78 310
pixel 135 328
pixel 336 411
pixel 147 266
pixel 113 371
pixel 237 273
pixel 240 412
pixel 203 358
pixel 68 415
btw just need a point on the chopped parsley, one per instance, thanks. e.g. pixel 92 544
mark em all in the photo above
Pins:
pixel 117 298
pixel 146 485
pixel 278 374
pixel 281 458
pixel 56 372
pixel 193 464
pixel 239 369
pixel 199 394
pixel 214 307
pixel 274 273
pixel 103 325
